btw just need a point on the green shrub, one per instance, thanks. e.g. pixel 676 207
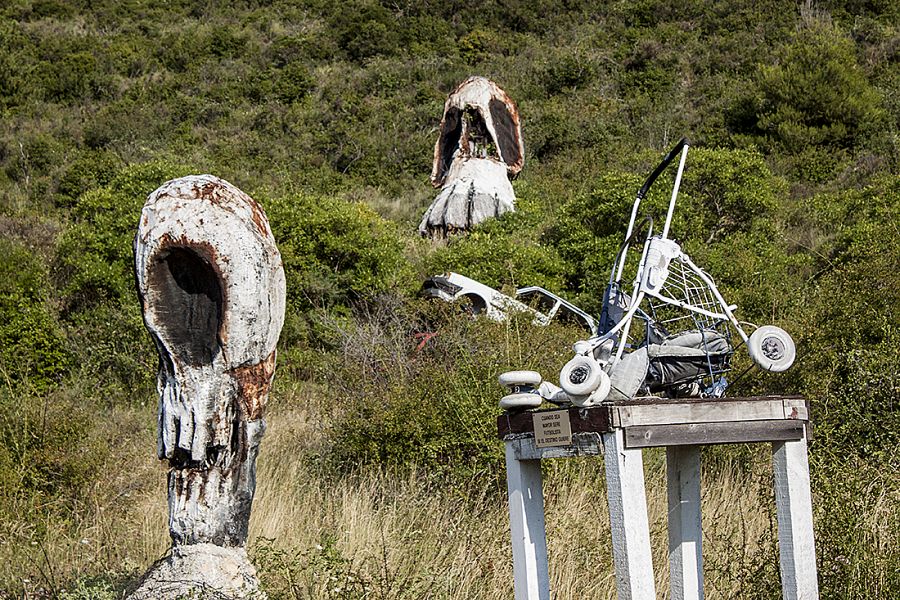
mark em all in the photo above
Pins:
pixel 419 384
pixel 33 156
pixel 724 193
pixel 481 44
pixel 505 252
pixel 334 251
pixel 32 345
pixel 816 93
pixel 90 170
pixel 364 29
pixel 95 261
pixel 850 324
pixel 184 49
pixel 587 232
pixel 727 191
pixel 15 46
pixel 288 84
pixel 73 78
pixel 501 261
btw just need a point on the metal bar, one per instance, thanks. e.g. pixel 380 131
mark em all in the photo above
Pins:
pixel 665 231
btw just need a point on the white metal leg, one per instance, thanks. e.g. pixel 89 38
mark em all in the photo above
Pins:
pixel 685 522
pixel 526 523
pixel 795 526
pixel 628 519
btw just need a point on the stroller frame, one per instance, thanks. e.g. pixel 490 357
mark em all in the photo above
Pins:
pixel 669 288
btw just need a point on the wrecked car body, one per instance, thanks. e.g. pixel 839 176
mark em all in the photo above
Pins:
pixel 478 299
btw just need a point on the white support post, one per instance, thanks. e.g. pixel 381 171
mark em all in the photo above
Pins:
pixel 628 519
pixel 795 525
pixel 526 523
pixel 685 522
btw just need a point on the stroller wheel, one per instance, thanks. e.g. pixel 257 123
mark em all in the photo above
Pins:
pixel 520 378
pixel 582 376
pixel 772 348
pixel 520 401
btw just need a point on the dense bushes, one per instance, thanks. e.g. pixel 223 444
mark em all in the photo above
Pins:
pixel 816 93
pixel 334 251
pixel 32 345
pixel 418 384
pixel 505 252
pixel 723 212
pixel 94 260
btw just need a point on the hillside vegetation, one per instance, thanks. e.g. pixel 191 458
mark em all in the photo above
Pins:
pixel 381 476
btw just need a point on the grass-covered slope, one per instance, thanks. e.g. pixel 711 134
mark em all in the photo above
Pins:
pixel 327 114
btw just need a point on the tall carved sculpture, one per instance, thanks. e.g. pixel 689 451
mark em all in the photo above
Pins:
pixel 212 292
pixel 479 149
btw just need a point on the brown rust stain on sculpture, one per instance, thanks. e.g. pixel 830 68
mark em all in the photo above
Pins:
pixel 211 193
pixel 253 383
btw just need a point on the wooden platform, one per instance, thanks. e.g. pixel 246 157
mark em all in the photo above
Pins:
pixel 659 422
pixel 621 431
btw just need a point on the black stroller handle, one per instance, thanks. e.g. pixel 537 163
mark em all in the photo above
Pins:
pixel 662 166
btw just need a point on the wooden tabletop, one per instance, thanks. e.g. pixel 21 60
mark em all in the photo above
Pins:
pixel 667 422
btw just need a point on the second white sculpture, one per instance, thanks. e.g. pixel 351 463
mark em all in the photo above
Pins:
pixel 479 149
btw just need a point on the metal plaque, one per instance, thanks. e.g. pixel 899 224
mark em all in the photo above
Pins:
pixel 552 428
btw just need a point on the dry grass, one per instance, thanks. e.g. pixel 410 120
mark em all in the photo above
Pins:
pixel 404 535
pixel 401 534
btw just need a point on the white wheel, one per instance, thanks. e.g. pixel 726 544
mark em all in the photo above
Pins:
pixel 580 376
pixel 772 348
pixel 520 378
pixel 601 392
pixel 597 396
pixel 520 401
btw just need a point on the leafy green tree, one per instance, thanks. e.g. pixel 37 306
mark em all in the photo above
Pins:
pixel 816 93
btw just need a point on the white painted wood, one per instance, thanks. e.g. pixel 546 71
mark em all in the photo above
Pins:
pixel 699 412
pixel 796 540
pixel 583 444
pixel 685 523
pixel 795 409
pixel 212 292
pixel 526 523
pixel 628 519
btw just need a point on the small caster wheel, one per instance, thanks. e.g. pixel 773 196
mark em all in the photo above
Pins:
pixel 523 387
pixel 772 348
pixel 511 378
pixel 581 376
pixel 584 381
pixel 520 401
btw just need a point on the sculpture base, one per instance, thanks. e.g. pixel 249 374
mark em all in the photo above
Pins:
pixel 200 571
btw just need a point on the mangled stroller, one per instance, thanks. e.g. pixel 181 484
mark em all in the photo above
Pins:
pixel 671 335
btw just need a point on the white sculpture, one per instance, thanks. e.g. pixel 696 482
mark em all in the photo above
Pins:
pixel 212 292
pixel 479 149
